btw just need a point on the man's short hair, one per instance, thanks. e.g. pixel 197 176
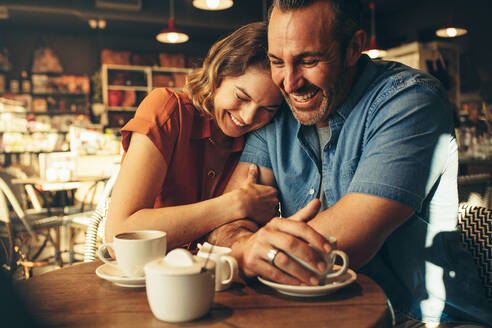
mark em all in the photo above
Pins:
pixel 347 16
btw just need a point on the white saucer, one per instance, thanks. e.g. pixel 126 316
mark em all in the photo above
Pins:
pixel 113 274
pixel 311 291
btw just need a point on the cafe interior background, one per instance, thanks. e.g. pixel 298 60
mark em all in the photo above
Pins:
pixel 73 72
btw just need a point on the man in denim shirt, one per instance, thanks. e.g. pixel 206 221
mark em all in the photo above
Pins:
pixel 375 143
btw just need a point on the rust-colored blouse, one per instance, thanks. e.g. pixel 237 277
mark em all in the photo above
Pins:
pixel 198 168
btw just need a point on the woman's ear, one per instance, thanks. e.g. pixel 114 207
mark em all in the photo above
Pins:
pixel 355 47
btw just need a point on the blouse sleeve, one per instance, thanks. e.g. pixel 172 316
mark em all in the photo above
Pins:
pixel 157 117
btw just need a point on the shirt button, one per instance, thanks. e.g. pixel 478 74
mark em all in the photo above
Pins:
pixel 211 174
pixel 311 191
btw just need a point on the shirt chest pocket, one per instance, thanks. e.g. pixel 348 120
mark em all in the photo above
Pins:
pixel 337 179
pixel 348 168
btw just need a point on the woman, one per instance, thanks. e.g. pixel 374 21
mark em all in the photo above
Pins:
pixel 181 148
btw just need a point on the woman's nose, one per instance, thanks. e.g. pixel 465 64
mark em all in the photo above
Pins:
pixel 248 113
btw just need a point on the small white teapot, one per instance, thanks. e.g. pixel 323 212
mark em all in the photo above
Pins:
pixel 180 286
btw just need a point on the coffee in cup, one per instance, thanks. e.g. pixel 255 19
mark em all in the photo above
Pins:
pixel 134 249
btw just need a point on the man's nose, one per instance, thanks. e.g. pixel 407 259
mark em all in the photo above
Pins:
pixel 292 79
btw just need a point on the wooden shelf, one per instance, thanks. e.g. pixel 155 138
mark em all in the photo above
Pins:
pixel 21 152
pixel 32 132
pixel 121 109
pixel 58 94
pixel 128 88
pixel 49 112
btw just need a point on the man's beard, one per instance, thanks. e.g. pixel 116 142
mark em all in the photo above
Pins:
pixel 327 103
pixel 314 116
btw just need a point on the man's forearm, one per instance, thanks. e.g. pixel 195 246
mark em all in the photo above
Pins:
pixel 227 234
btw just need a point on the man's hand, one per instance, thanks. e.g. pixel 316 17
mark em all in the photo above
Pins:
pixel 288 236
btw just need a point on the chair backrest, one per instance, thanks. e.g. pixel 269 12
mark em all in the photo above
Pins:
pixel 12 194
pixel 476 235
pixel 32 196
pixel 97 220
pixel 474 189
pixel 4 208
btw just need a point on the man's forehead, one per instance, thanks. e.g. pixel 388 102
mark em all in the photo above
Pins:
pixel 290 34
pixel 301 27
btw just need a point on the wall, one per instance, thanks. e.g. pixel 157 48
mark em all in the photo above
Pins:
pixel 79 52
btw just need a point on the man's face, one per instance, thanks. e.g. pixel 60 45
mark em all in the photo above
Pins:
pixel 306 61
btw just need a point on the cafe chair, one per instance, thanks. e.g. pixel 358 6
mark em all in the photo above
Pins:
pixel 475 189
pixel 475 223
pixel 95 230
pixel 79 218
pixel 20 227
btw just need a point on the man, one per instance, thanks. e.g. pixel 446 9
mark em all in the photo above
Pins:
pixel 374 142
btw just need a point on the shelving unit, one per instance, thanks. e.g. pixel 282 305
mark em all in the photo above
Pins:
pixel 36 119
pixel 49 93
pixel 21 140
pixel 55 92
pixel 124 87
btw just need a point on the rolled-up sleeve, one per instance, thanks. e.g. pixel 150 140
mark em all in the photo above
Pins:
pixel 405 148
pixel 157 117
pixel 256 149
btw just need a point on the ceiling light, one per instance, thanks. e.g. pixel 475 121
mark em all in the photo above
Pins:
pixel 373 50
pixel 4 12
pixel 101 23
pixel 97 23
pixel 93 23
pixel 171 34
pixel 213 4
pixel 451 32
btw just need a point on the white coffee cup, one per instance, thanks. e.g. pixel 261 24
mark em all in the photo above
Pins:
pixel 134 249
pixel 226 268
pixel 329 258
pixel 181 289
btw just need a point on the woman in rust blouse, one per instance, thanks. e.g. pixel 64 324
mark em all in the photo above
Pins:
pixel 181 148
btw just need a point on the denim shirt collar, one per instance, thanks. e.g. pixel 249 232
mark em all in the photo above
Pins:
pixel 307 135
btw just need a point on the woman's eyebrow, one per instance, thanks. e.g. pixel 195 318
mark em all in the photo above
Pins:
pixel 247 95
pixel 274 106
pixel 243 91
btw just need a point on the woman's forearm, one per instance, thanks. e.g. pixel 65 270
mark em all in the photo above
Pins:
pixel 182 223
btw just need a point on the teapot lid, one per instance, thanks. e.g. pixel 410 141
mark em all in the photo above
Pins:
pixel 179 261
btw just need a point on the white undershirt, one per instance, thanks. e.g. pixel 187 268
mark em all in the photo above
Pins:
pixel 324 135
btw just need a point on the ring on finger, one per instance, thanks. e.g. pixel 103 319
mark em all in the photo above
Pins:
pixel 271 255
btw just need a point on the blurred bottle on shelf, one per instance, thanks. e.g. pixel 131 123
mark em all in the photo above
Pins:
pixel 25 82
pixel 2 83
pixel 14 86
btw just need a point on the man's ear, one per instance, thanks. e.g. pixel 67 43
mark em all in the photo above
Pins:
pixel 355 47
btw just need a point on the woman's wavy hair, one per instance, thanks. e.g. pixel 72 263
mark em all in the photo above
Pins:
pixel 231 56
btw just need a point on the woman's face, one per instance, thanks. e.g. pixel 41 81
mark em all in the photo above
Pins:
pixel 246 103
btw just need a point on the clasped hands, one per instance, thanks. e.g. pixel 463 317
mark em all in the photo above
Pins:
pixel 264 252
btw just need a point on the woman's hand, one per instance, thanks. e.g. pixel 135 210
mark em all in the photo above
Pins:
pixel 254 201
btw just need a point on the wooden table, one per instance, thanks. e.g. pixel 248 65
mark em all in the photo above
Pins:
pixel 75 297
pixel 63 188
pixel 47 185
